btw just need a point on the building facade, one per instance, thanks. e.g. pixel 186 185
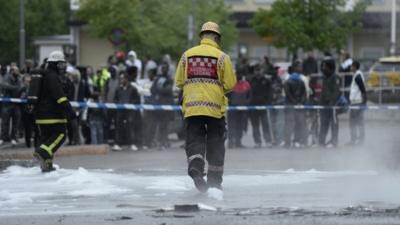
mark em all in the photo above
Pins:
pixel 370 43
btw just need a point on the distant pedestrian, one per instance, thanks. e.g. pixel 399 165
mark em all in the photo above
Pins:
pixel 107 94
pixel 345 66
pixel 358 97
pixel 125 133
pixel 329 97
pixel 27 117
pixel 295 120
pixel 240 95
pixel 162 94
pixel 277 115
pixel 11 114
pixel 96 119
pixel 133 60
pixel 205 74
pixel 267 67
pixel 260 95
pixel 310 65
pixel 149 65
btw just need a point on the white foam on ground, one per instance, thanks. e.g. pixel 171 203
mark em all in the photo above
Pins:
pixel 216 194
pixel 172 183
pixel 27 188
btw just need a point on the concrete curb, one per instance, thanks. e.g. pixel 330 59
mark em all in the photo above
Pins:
pixel 26 154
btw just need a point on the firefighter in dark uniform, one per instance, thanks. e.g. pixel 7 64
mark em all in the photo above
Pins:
pixel 205 74
pixel 52 109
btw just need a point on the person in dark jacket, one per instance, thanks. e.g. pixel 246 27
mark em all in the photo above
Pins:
pixel 267 67
pixel 125 94
pixel 162 94
pixel 277 115
pixel 83 93
pixel 71 84
pixel 330 95
pixel 96 119
pixel 310 65
pixel 295 92
pixel 149 117
pixel 52 111
pixel 12 87
pixel 260 95
pixel 240 95
pixel 27 117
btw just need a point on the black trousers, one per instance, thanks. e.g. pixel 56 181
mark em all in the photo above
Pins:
pixel 29 127
pixel 205 137
pixel 236 127
pixel 123 130
pixel 51 137
pixel 73 132
pixel 162 119
pixel 10 114
pixel 110 125
pixel 257 118
pixel 329 119
pixel 150 128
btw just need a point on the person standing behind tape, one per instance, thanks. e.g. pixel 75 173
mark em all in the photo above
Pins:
pixel 162 94
pixel 10 113
pixel 261 94
pixel 52 110
pixel 329 96
pixel 296 94
pixel 125 132
pixel 205 74
pixel 358 97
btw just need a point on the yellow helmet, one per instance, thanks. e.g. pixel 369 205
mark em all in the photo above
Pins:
pixel 210 26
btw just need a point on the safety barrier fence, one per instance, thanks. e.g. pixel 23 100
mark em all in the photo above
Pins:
pixel 231 108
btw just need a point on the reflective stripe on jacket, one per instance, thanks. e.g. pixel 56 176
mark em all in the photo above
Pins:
pixel 205 74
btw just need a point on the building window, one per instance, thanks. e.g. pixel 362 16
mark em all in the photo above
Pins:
pixel 264 2
pixel 378 2
pixel 372 53
pixel 234 1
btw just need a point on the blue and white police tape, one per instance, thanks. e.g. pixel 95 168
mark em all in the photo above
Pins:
pixel 231 108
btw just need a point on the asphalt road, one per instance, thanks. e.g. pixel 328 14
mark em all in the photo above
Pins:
pixel 347 185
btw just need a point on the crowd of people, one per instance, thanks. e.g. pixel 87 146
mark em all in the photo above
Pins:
pixel 300 84
pixel 127 79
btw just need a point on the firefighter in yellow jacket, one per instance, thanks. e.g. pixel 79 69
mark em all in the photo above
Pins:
pixel 205 74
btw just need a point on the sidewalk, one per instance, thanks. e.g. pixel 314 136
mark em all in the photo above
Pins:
pixel 20 153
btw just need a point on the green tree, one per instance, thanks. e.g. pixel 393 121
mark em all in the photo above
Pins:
pixel 155 27
pixel 308 24
pixel 42 17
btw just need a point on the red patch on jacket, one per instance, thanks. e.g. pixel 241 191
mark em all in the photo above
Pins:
pixel 202 66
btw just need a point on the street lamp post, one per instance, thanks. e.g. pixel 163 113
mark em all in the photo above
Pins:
pixel 192 24
pixel 21 33
pixel 393 30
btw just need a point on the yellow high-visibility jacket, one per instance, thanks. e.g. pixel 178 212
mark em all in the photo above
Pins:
pixel 205 74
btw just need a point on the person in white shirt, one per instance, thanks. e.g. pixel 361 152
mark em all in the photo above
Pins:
pixel 346 64
pixel 358 97
pixel 133 60
pixel 149 65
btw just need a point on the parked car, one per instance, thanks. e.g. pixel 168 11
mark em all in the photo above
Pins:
pixel 383 81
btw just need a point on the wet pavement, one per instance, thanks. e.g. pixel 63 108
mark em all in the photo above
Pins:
pixel 347 185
